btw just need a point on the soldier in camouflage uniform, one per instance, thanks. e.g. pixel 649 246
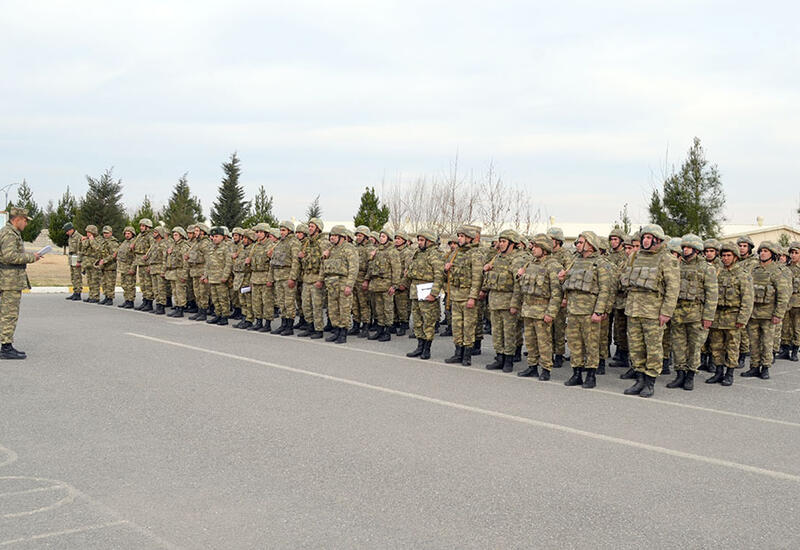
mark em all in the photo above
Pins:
pixel 285 266
pixel 191 303
pixel 156 265
pixel 361 307
pixel 711 254
pixel 176 270
pixel 140 245
pixel 75 269
pixel 780 344
pixel 498 282
pixel 771 293
pixel 619 326
pixel 697 304
pixel 91 252
pixel 537 298
pixel 426 267
pixel 126 266
pixel 464 281
pixel 449 254
pixel 604 338
pixel 108 265
pixel 792 318
pixel 482 315
pixel 310 256
pixel 383 277
pixel 262 294
pixel 653 281
pixel 589 291
pixel 563 257
pixel 218 270
pixel 402 303
pixel 734 308
pixel 301 232
pixel 245 285
pixel 13 278
pixel 747 261
pixel 196 259
pixel 339 270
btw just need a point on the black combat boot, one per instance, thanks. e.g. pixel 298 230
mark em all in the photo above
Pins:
pixel 148 305
pixel 401 329
pixel 616 357
pixel 159 309
pixel 783 353
pixel 680 378
pixel 128 304
pixel 532 370
pixel 764 374
pixel 487 326
pixel 545 375
pixel 590 381
pixel 266 327
pixel 793 354
pixel 376 334
pixel 508 364
pixel 334 335
pixel 391 329
pixel 649 386
pixel 718 375
pixel 637 388
pixel 466 357
pixel 426 350
pixel 222 321
pixel 385 335
pixel 328 326
pixel 742 358
pixel 752 372
pixel 178 312
pixel 200 316
pixel 213 320
pixel 301 323
pixel 355 329
pixel 448 330
pixel 497 364
pixel 621 361
pixel 257 325
pixel 140 307
pixel 191 307
pixel 665 366
pixel 173 312
pixel 342 337
pixel 246 324
pixel 169 301
pixel 517 354
pixel 288 330
pixel 307 331
pixel 123 305
pixel 279 328
pixel 601 367
pixel 417 352
pixel 7 351
pixel 576 379
pixel 688 382
pixel 364 332
pixel 476 347
pixel 727 380
pixel 629 374
pixel 315 335
pixel 558 361
pixel 457 355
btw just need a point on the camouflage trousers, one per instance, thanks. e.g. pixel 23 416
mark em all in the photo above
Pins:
pixel 361 307
pixel 76 277
pixel 560 332
pixel 777 336
pixel 504 331
pixel 583 339
pixel 128 283
pixel 284 299
pixel 178 293
pixel 109 282
pixel 189 289
pixel 235 296
pixel 145 283
pixel 645 345
pixel 744 342
pixel 482 310
pixel 9 314
pixel 402 306
pixel 384 307
pixel 221 298
pixel 620 324
pixel 263 300
pixel 201 292
pixel 724 345
pixel 340 306
pixel 761 332
pixel 425 315
pixel 298 297
pixel 159 286
pixel 539 341
pixel 666 340
pixel 313 305
pixel 791 327
pixel 464 320
pixel 246 303
pixel 603 338
pixel 93 280
pixel 687 341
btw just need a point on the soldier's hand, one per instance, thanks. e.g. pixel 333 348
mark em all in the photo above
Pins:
pixel 186 257
pixel 269 283
pixel 372 254
pixel 36 257
pixel 318 284
pixel 235 255
pixel 562 275
pixel 101 262
pixel 326 253
pixel 513 311
pixel 447 266
pixel 564 302
pixel 247 261
pixel 391 291
pixel 365 285
pixel 269 253
pixel 84 238
pixel 471 303
pixel 78 264
pixel 401 287
pixel 739 325
pixel 520 272
pixel 169 251
pixel 348 291
pixel 481 295
pixel 663 320
pixel 132 246
pixel 597 318
pixel 707 324
pixel 301 255
pixel 430 298
pixel 131 273
pixel 487 267
pixel 776 320
pixel 223 281
pixel 547 319
pixel 290 283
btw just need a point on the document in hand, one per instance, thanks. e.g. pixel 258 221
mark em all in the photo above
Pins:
pixel 45 250
pixel 424 290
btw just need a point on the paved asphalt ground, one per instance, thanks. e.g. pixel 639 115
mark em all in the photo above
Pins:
pixel 126 430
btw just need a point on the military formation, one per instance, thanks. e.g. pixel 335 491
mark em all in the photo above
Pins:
pixel 662 302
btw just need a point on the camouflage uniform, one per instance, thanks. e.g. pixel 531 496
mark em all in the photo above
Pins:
pixel 218 269
pixel 242 277
pixel 792 318
pixel 617 319
pixel 747 264
pixel 426 266
pixel 465 278
pixel 141 244
pixel 126 266
pixel 285 266
pixel 563 257
pixel 91 252
pixel 781 336
pixel 75 269
pixel 13 278
pixel 313 297
pixel 383 276
pixel 402 303
pixel 176 269
pixel 360 300
pixel 156 258
pixel 197 254
pixel 263 298
pixel 339 270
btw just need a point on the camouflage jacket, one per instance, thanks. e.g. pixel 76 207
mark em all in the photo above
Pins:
pixel 406 254
pixel 652 278
pixel 426 266
pixel 735 303
pixel 219 264
pixel 537 292
pixel 156 257
pixel 91 252
pixel 771 291
pixel 341 264
pixel 126 258
pixel 284 263
pixel 794 301
pixel 498 281
pixel 588 285
pixel 747 264
pixel 698 293
pixel 259 262
pixel 13 259
pixel 108 249
pixel 74 243
pixel 364 250
pixel 141 244
pixel 197 252
pixel 241 270
pixel 175 267
pixel 311 249
pixel 384 269
pixel 465 277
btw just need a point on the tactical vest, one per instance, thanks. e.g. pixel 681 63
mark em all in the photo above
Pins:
pixel 461 270
pixel 197 253
pixel 692 282
pixel 500 278
pixel 175 259
pixel 644 273
pixel 312 257
pixel 381 267
pixel 420 269
pixel 583 276
pixel 729 294
pixel 534 281
pixel 280 254
pixel 335 264
pixel 124 253
pixel 763 289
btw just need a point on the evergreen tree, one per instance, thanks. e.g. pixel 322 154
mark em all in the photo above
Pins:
pixel 65 212
pixel 102 204
pixel 370 212
pixel 182 209
pixel 262 210
pixel 624 222
pixel 784 240
pixel 692 199
pixel 314 209
pixel 36 222
pixel 230 209
pixel 144 211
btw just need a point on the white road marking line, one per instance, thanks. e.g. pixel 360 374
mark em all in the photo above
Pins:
pixel 10 456
pixel 496 414
pixel 30 491
pixel 83 529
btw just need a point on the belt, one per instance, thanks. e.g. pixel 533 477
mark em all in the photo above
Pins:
pixel 12 266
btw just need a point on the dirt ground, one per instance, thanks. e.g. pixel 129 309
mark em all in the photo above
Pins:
pixel 51 270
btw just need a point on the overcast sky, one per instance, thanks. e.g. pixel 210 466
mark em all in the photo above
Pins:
pixel 580 102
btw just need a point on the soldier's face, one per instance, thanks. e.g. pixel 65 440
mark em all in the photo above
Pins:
pixel 312 228
pixel 688 252
pixel 744 249
pixel 636 245
pixel 384 238
pixel 237 237
pixel 142 228
pixel 710 253
pixel 261 235
pixel 614 242
pixel 107 235
pixel 502 245
pixel 196 233
pixel 628 249
pixel 284 232
pixel 176 236
pixel 452 245
pixel 359 238
pixel 765 255
pixel 217 238
pixel 794 254
pixel 462 239
pixel 422 243
pixel 300 235
pixel 647 241
pixel 537 252
pixel 587 249
pixel 398 241
pixel 727 258
pixel 128 235
pixel 579 244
